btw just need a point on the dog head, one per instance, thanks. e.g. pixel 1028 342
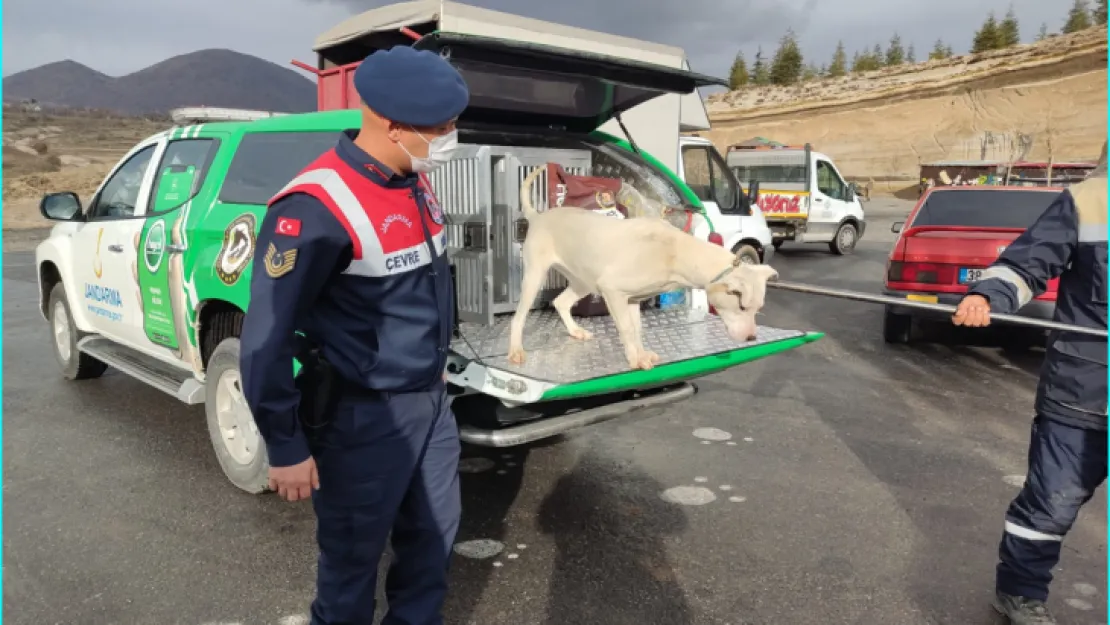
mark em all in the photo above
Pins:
pixel 738 295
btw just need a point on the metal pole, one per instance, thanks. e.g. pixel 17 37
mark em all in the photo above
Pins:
pixel 944 308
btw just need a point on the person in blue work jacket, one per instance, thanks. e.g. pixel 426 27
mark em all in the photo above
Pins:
pixel 1067 450
pixel 351 255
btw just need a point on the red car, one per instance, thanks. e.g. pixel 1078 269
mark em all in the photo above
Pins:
pixel 949 237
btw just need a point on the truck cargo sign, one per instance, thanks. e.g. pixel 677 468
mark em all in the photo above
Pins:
pixel 783 203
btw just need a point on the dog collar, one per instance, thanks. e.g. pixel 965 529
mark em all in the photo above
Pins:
pixel 734 265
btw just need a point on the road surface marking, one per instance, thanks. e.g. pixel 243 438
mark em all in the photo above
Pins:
pixel 712 434
pixel 479 549
pixel 688 495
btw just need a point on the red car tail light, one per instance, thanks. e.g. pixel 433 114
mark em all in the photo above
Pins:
pixel 922 273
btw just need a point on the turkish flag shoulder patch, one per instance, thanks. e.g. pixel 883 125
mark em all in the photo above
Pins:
pixel 288 226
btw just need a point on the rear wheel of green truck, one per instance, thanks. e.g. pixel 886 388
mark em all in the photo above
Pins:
pixel 236 440
pixel 75 364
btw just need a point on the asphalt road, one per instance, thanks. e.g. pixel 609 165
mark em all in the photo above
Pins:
pixel 860 484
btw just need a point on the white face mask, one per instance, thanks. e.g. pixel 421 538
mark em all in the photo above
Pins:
pixel 440 150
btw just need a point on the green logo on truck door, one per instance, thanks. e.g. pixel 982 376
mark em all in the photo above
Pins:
pixel 154 284
pixel 154 246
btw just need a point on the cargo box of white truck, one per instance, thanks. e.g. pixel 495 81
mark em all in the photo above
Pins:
pixel 801 194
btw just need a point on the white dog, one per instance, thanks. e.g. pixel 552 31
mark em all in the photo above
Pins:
pixel 627 261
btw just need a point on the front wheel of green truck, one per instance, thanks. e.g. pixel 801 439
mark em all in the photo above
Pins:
pixel 75 365
pixel 235 438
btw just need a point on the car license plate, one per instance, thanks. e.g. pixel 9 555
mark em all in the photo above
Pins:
pixel 914 297
pixel 968 274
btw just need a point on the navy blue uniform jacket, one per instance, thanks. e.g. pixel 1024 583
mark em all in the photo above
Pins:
pixel 1068 241
pixel 353 256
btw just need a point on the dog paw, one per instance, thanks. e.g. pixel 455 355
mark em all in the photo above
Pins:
pixel 581 334
pixel 516 355
pixel 642 361
pixel 650 355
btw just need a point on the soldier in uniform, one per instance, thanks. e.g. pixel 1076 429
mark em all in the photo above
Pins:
pixel 351 278
pixel 1067 448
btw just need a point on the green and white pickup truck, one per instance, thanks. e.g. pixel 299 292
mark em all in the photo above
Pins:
pixel 152 276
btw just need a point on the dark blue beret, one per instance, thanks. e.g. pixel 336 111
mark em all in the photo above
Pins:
pixel 414 87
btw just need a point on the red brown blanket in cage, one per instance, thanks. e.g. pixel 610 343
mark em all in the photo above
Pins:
pixel 589 192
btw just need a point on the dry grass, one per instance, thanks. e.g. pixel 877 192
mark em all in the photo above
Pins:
pixel 54 151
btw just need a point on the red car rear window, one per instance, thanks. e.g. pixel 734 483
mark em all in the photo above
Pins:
pixel 1010 208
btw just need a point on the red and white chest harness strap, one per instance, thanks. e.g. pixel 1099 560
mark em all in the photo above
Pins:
pixel 387 237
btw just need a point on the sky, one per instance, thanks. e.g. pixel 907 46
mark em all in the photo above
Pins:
pixel 122 36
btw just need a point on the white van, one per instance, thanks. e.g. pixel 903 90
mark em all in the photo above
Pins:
pixel 735 217
pixel 802 195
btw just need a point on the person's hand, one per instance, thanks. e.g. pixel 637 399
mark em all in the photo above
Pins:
pixel 296 482
pixel 973 311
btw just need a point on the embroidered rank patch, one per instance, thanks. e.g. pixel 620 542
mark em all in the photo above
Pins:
pixel 279 263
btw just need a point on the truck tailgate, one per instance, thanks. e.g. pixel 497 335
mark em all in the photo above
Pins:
pixel 689 344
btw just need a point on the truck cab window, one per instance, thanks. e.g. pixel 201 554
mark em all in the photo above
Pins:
pixel 266 161
pixel 696 163
pixel 726 191
pixel 829 182
pixel 120 195
pixel 195 153
pixel 708 177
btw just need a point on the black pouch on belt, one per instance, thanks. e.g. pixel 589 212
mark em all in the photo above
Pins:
pixel 319 387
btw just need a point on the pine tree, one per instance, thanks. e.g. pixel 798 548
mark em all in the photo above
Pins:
pixel 839 65
pixel 895 53
pixel 787 66
pixel 868 61
pixel 911 56
pixel 760 74
pixel 1079 17
pixel 811 72
pixel 1099 14
pixel 987 37
pixel 1042 34
pixel 738 76
pixel 1009 33
pixel 938 51
pixel 947 52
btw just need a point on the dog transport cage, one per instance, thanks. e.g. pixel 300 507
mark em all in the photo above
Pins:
pixel 539 94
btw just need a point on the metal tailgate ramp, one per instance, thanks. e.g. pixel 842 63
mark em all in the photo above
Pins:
pixel 689 344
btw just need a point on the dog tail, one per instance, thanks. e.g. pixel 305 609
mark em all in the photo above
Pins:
pixel 526 205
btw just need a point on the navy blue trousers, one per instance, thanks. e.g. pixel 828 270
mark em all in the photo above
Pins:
pixel 1066 465
pixel 387 464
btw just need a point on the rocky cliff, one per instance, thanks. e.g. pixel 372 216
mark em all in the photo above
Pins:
pixel 1034 102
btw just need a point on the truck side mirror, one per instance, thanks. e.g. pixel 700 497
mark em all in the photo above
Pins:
pixel 64 206
pixel 896 227
pixel 753 191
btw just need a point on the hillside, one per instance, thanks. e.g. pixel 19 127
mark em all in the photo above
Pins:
pixel 207 77
pixel 1049 96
